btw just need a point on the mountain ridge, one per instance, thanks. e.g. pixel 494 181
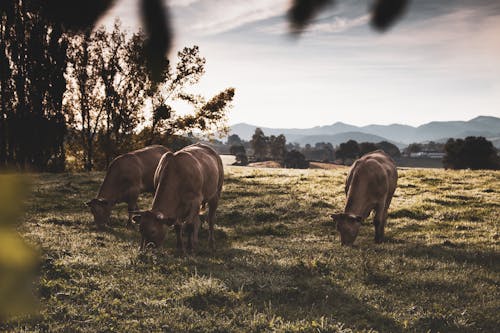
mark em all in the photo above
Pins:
pixel 399 134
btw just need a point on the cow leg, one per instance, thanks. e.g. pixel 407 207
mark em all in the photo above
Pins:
pixel 180 242
pixel 379 223
pixel 212 207
pixel 132 206
pixel 189 230
pixel 196 228
pixel 192 225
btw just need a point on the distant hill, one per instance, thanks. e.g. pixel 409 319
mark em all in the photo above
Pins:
pixel 336 139
pixel 398 134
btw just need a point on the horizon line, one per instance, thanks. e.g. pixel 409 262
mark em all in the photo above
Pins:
pixel 371 124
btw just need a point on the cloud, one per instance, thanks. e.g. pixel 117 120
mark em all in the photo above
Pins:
pixel 209 17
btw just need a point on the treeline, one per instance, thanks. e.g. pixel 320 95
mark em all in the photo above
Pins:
pixel 32 85
pixel 471 153
pixel 264 148
pixel 468 153
pixel 82 100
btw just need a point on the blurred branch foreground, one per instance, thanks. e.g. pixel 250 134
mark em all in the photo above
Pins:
pixel 80 15
pixel 18 261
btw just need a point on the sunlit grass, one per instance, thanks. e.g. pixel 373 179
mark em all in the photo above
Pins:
pixel 278 264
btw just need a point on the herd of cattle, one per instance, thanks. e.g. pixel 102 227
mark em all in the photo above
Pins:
pixel 186 181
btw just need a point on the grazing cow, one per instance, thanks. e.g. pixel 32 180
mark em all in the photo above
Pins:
pixel 185 181
pixel 369 186
pixel 128 175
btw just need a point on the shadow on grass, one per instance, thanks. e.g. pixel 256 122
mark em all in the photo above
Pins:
pixel 486 259
pixel 292 293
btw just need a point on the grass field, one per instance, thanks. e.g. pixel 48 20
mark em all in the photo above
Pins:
pixel 278 264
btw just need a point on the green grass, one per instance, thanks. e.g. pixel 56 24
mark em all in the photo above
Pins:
pixel 278 265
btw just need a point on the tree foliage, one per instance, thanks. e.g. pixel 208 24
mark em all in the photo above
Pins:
pixel 389 148
pixel 348 150
pixel 32 64
pixel 366 147
pixel 296 160
pixel 109 89
pixel 470 153
pixel 259 144
pixel 240 153
pixel 277 147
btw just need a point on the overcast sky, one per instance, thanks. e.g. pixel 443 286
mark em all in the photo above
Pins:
pixel 440 62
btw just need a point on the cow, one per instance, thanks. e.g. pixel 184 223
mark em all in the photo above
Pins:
pixel 185 181
pixel 128 175
pixel 370 186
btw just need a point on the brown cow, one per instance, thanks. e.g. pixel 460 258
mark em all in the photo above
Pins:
pixel 370 186
pixel 128 175
pixel 186 180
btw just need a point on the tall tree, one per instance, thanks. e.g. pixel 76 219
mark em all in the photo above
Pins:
pixel 234 139
pixel 277 147
pixel 32 60
pixel 259 144
pixel 84 97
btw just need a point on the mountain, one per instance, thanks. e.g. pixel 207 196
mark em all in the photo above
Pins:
pixel 398 134
pixel 336 139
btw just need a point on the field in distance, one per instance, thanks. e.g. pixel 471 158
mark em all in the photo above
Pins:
pixel 278 265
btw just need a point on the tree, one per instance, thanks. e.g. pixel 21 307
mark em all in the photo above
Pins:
pixel 413 148
pixel 240 153
pixel 108 88
pixel 366 147
pixel 207 116
pixel 277 147
pixel 390 148
pixel 348 150
pixel 234 139
pixel 32 63
pixel 473 152
pixel 322 151
pixel 295 160
pixel 84 100
pixel 123 79
pixel 259 144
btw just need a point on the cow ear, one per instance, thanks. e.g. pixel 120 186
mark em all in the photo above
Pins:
pixel 136 218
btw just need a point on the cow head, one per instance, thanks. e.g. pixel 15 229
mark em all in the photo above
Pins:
pixel 348 226
pixel 101 209
pixel 152 226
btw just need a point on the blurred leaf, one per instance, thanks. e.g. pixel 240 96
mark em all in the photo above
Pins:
pixel 74 15
pixel 18 261
pixel 303 11
pixel 13 190
pixel 159 42
pixel 386 12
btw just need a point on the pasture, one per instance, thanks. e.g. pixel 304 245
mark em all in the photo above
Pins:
pixel 279 266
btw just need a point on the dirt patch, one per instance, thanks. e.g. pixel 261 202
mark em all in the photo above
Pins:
pixel 325 166
pixel 265 164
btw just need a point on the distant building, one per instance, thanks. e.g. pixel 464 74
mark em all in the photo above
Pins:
pixel 427 154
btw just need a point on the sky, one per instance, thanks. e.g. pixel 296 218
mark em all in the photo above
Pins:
pixel 439 62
